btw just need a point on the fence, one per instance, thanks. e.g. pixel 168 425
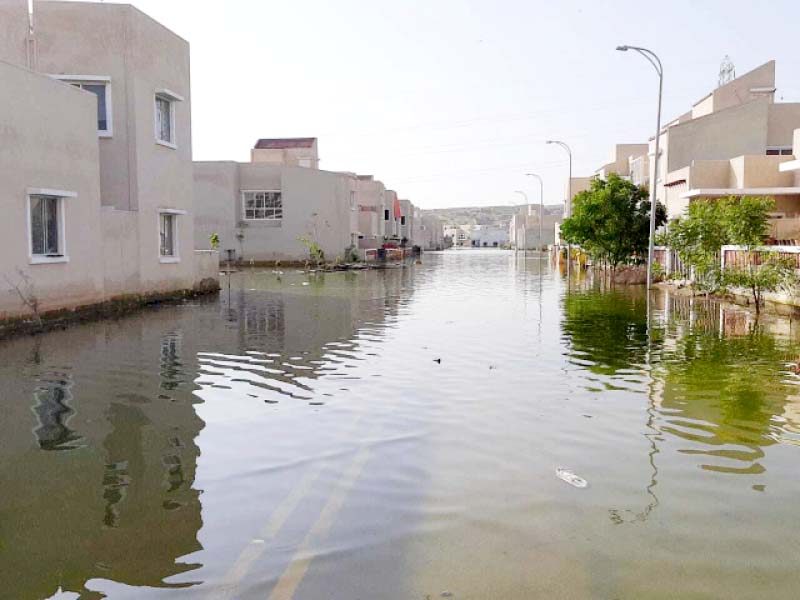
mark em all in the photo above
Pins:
pixel 737 256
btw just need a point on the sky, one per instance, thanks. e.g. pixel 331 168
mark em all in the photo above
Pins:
pixel 450 102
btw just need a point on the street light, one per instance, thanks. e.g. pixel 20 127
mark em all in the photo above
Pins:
pixel 541 205
pixel 656 62
pixel 527 208
pixel 568 205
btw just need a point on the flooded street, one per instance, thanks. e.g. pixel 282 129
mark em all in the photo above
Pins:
pixel 397 434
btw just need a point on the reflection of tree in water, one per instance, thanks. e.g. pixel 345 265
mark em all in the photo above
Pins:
pixel 724 391
pixel 53 412
pixel 607 329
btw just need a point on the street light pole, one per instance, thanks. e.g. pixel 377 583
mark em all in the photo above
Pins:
pixel 527 208
pixel 568 205
pixel 541 205
pixel 656 62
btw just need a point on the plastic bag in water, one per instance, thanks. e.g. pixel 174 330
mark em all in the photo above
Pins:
pixel 571 478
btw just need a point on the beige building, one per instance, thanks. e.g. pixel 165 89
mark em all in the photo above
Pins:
pixel 292 152
pixel 776 176
pixel 431 234
pixel 625 159
pixel 737 119
pixel 370 198
pixel 100 180
pixel 270 212
pixel 274 207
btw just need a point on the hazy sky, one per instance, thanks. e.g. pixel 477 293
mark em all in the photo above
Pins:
pixel 450 101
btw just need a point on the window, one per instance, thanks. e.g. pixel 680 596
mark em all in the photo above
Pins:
pixel 45 221
pixel 386 214
pixel 304 162
pixel 46 228
pixel 263 206
pixel 779 151
pixel 168 236
pixel 165 120
pixel 100 86
pixel 403 220
pixel 353 205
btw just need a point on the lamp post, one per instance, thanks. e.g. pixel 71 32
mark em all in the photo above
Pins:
pixel 541 205
pixel 568 205
pixel 653 59
pixel 527 208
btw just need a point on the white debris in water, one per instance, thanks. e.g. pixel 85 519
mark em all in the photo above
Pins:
pixel 571 478
pixel 62 595
pixel 305 283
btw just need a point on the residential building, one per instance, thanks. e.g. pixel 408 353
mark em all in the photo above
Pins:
pixel 268 212
pixel 293 152
pixel 739 118
pixel 431 232
pixel 370 200
pixel 776 176
pixel 100 182
pixel 624 159
pixel 489 236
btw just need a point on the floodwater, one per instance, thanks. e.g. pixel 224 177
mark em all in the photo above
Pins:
pixel 415 433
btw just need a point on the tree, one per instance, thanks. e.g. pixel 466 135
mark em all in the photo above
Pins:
pixel 746 221
pixel 698 237
pixel 611 221
pixel 708 225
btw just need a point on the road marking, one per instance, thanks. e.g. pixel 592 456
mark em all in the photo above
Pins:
pixel 301 560
pixel 252 552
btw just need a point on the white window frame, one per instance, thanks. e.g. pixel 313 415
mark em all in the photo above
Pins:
pixel 172 98
pixel 781 150
pixel 94 80
pixel 60 196
pixel 175 213
pixel 353 204
pixel 256 219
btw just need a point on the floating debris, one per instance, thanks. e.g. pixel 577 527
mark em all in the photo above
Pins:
pixel 571 478
pixel 62 595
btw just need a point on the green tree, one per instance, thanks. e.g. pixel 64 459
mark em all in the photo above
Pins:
pixel 611 221
pixel 697 238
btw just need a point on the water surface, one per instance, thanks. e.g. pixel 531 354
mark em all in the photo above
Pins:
pixel 396 434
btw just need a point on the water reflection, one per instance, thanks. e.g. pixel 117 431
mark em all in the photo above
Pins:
pixel 716 379
pixel 117 499
pixel 117 401
pixel 53 413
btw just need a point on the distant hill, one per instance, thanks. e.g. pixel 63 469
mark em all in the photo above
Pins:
pixel 484 215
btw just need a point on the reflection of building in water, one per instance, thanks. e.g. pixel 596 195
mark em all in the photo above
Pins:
pixel 719 378
pixel 116 500
pixel 53 412
pixel 171 367
pixel 723 383
pixel 295 329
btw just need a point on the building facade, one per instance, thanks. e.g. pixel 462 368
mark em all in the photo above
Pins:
pixel 111 175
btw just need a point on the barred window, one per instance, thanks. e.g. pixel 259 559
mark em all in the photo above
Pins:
pixel 266 205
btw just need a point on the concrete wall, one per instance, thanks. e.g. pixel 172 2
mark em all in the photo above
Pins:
pixel 782 121
pixel 292 157
pixel 49 141
pixel 216 196
pixel 369 199
pixel 14 32
pixel 316 205
pixel 722 135
pixel 739 91
pixel 141 58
